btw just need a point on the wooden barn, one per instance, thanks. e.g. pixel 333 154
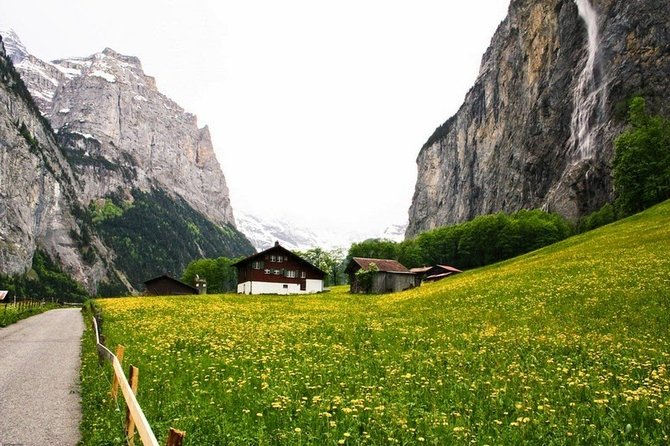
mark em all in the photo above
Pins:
pixel 439 272
pixel 435 273
pixel 165 285
pixel 389 276
pixel 278 271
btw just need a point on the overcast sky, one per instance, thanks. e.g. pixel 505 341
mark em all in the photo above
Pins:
pixel 317 109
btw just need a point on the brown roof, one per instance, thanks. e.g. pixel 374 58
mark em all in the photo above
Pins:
pixel 437 277
pixel 385 265
pixel 421 270
pixel 450 268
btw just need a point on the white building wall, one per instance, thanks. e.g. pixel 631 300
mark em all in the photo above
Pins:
pixel 312 286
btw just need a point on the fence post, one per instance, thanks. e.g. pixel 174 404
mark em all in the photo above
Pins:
pixel 120 349
pixel 175 437
pixel 133 377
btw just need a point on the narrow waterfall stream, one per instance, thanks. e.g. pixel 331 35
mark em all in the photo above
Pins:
pixel 587 94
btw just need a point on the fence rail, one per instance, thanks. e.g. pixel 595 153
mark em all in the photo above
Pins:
pixel 135 418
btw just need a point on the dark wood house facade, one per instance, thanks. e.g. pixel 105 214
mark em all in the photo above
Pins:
pixel 278 271
pixel 389 276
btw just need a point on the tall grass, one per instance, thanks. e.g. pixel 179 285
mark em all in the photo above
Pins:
pixel 566 345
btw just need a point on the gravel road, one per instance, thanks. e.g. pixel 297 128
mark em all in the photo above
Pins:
pixel 39 380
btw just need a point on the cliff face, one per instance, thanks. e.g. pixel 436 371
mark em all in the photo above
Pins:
pixel 537 128
pixel 113 179
pixel 37 189
pixel 119 131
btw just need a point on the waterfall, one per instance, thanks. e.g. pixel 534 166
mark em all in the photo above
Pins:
pixel 587 95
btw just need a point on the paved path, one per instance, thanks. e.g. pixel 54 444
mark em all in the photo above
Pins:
pixel 39 380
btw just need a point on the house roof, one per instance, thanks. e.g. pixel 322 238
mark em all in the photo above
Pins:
pixel 436 277
pixel 169 278
pixel 449 268
pixel 421 270
pixel 277 248
pixel 384 265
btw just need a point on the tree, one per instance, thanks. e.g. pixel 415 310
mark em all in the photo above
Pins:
pixel 642 160
pixel 374 248
pixel 219 273
pixel 330 262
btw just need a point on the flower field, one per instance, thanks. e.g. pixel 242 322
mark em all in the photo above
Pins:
pixel 566 345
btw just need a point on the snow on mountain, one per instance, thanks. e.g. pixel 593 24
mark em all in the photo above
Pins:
pixel 264 232
pixel 395 232
pixel 13 46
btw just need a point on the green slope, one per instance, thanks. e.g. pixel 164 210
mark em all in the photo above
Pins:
pixel 157 234
pixel 566 345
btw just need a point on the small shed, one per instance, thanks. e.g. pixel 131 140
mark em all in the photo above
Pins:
pixel 439 272
pixel 421 271
pixel 165 285
pixel 389 276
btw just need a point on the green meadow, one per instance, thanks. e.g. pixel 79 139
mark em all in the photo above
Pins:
pixel 569 344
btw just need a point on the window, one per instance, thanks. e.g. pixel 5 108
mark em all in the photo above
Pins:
pixel 285 286
pixel 276 272
pixel 291 273
pixel 257 264
pixel 268 271
pixel 303 274
pixel 276 259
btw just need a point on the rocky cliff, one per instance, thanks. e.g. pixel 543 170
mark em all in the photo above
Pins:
pixel 537 128
pixel 38 189
pixel 119 131
pixel 113 179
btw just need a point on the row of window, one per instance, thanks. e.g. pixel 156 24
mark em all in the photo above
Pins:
pixel 290 273
pixel 258 264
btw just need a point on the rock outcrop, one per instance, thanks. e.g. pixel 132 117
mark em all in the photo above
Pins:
pixel 38 189
pixel 107 175
pixel 119 131
pixel 537 128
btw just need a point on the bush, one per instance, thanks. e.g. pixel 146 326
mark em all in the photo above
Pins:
pixel 603 216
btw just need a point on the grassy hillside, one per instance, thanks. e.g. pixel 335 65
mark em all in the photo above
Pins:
pixel 566 345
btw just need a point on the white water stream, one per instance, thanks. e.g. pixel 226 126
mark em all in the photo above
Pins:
pixel 587 95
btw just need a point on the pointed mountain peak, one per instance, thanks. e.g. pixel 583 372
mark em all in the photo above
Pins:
pixel 15 49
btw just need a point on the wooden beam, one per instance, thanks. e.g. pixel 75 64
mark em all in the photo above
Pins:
pixel 141 423
pixel 120 349
pixel 133 377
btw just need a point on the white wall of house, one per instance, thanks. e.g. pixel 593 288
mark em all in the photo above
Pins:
pixel 255 287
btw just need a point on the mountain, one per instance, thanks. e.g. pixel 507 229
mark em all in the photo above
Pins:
pixel 39 208
pixel 264 232
pixel 139 172
pixel 537 128
pixel 120 131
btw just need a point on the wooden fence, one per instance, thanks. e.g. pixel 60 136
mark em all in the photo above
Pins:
pixel 17 308
pixel 135 418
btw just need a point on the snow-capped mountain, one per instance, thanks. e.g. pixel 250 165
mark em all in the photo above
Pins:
pixel 395 232
pixel 264 232
pixel 121 131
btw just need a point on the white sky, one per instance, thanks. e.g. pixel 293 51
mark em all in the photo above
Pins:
pixel 317 109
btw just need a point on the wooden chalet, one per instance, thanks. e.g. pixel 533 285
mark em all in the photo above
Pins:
pixel 391 276
pixel 165 285
pixel 278 271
